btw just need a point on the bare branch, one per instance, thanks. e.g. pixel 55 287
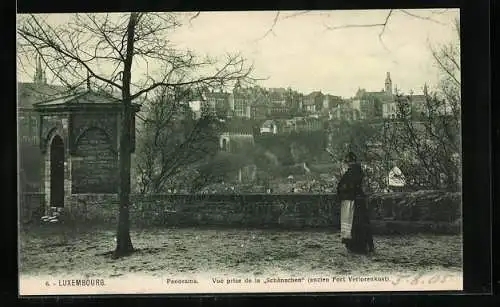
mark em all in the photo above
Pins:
pixel 49 40
pixel 193 17
pixel 271 29
pixel 295 14
pixel 442 66
pixel 421 17
pixel 383 29
pixel 354 26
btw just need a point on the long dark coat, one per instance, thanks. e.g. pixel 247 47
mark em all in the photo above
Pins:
pixel 350 188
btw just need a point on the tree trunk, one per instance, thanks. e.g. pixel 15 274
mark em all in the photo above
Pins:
pixel 123 242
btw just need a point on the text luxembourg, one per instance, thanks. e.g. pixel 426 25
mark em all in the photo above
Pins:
pixel 81 282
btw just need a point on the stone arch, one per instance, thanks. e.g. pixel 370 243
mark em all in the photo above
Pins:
pixel 49 136
pixel 57 165
pixel 224 143
pixel 99 130
pixel 55 169
pixel 94 163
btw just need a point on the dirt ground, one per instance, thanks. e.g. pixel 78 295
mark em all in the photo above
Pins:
pixel 55 251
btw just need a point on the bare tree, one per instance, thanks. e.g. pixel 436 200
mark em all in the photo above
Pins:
pixel 365 139
pixel 172 139
pixel 429 133
pixel 329 21
pixel 106 47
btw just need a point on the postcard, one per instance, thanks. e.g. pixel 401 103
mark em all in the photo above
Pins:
pixel 239 152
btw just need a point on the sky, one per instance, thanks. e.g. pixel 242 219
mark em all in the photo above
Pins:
pixel 304 52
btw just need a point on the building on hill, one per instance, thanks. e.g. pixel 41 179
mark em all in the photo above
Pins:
pixel 288 126
pixel 240 102
pixel 279 110
pixel 419 106
pixel 260 110
pixel 196 108
pixel 236 142
pixel 277 96
pixel 371 103
pixel 241 125
pixel 269 126
pixel 344 110
pixel 216 103
pixel 387 103
pixel 313 102
pixel 308 124
pixel 260 107
pixel 381 104
pixel 295 103
pixel 331 102
pixel 292 125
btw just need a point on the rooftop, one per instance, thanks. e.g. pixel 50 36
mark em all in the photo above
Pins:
pixel 83 99
pixel 29 94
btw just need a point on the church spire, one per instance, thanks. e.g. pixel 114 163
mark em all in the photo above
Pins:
pixel 39 73
pixel 425 89
pixel 388 84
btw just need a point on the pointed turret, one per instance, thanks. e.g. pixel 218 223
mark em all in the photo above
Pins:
pixel 40 77
pixel 388 83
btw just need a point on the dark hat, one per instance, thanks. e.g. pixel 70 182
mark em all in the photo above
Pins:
pixel 350 157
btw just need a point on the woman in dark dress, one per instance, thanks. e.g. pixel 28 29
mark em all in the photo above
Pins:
pixel 355 222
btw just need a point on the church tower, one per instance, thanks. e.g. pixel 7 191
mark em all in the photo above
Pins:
pixel 388 84
pixel 39 72
pixel 237 87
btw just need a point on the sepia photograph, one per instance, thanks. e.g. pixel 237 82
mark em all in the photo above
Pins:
pixel 239 152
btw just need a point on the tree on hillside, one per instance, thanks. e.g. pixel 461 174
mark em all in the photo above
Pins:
pixel 171 139
pixel 106 47
pixel 432 137
pixel 366 141
pixel 219 168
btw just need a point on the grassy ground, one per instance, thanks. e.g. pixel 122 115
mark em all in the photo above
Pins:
pixel 57 251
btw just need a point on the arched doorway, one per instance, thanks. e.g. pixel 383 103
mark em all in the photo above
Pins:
pixel 224 144
pixel 57 172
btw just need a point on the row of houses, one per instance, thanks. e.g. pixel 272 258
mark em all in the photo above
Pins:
pixel 279 103
pixel 296 124
pixel 260 104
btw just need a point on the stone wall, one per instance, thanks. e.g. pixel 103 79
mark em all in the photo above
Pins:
pixel 432 211
pixel 94 164
pixel 94 152
pixel 31 206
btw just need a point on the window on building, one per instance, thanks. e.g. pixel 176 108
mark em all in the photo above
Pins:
pixel 32 124
pixel 25 125
pixel 225 145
